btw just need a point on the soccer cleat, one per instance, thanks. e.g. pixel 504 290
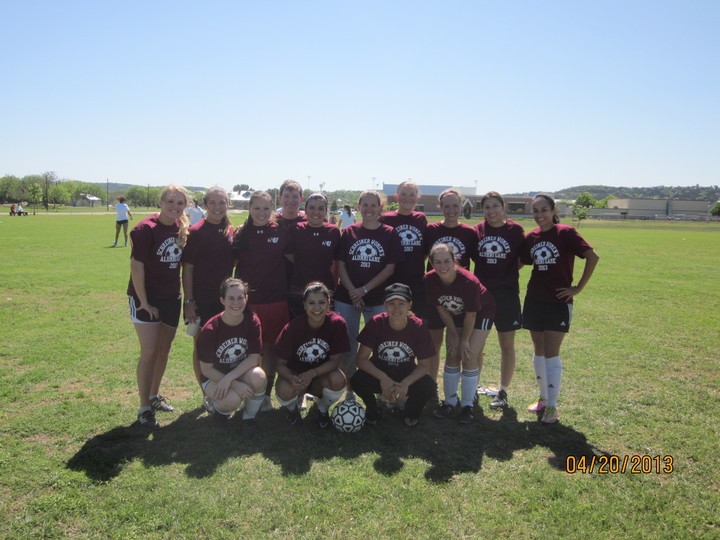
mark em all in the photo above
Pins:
pixel 301 402
pixel 159 403
pixel 538 406
pixel 208 405
pixel 550 416
pixel 147 419
pixel 249 428
pixel 266 404
pixel 466 415
pixel 323 420
pixel 293 416
pixel 500 401
pixel 444 410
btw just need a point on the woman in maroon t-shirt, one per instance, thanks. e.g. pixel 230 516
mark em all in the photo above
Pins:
pixel 261 248
pixel 207 262
pixel 154 294
pixel 309 350
pixel 497 264
pixel 547 310
pixel 314 243
pixel 229 350
pixel 466 309
pixel 367 254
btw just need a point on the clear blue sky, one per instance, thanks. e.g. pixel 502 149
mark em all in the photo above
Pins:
pixel 516 95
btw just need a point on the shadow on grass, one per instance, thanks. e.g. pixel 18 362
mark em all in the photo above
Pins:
pixel 450 448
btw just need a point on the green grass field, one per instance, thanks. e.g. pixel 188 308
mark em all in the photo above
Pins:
pixel 641 379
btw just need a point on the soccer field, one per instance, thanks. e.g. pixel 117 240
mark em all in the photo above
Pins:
pixel 641 390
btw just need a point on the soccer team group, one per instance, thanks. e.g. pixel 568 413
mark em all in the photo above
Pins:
pixel 290 316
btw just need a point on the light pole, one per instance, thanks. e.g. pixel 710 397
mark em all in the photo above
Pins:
pixel 322 186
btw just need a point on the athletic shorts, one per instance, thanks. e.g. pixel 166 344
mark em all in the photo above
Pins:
pixel 122 222
pixel 508 315
pixel 169 311
pixel 541 316
pixel 207 311
pixel 273 318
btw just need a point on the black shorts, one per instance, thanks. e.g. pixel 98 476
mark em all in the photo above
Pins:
pixel 169 311
pixel 508 315
pixel 207 311
pixel 122 222
pixel 541 316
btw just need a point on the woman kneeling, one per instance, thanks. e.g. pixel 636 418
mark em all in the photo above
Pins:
pixel 389 345
pixel 229 348
pixel 309 350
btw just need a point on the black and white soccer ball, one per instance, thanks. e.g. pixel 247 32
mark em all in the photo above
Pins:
pixel 313 353
pixel 544 253
pixel 408 236
pixel 234 352
pixel 492 248
pixel 174 252
pixel 368 251
pixel 348 416
pixel 394 355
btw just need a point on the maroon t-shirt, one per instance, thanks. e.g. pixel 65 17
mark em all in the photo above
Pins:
pixel 280 220
pixel 552 254
pixel 155 245
pixel 227 346
pixel 497 254
pixel 411 229
pixel 463 240
pixel 209 250
pixel 260 252
pixel 394 352
pixel 465 294
pixel 314 249
pixel 304 347
pixel 366 252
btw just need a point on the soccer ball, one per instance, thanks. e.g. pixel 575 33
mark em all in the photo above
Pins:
pixel 313 353
pixel 492 248
pixel 368 251
pixel 348 416
pixel 173 252
pixel 235 352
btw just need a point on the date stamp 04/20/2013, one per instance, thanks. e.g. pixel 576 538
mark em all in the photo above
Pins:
pixel 635 464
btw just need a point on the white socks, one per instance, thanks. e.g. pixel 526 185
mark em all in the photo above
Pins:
pixel 328 398
pixel 541 375
pixel 553 367
pixel 468 386
pixel 451 379
pixel 252 406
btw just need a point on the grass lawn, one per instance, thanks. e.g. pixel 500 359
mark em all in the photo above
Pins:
pixel 641 379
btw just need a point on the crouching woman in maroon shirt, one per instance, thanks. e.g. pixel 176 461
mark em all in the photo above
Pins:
pixel 394 358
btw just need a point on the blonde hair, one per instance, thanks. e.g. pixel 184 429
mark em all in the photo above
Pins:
pixel 380 197
pixel 408 183
pixel 184 221
pixel 225 223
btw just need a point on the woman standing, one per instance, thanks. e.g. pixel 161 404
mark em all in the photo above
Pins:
pixel 229 350
pixel 121 220
pixel 367 254
pixel 467 310
pixel 497 261
pixel 547 311
pixel 347 217
pixel 309 351
pixel 207 263
pixel 314 243
pixel 260 248
pixel 410 225
pixel 393 360
pixel 154 295
pixel 462 239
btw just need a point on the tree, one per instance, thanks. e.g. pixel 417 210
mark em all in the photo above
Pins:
pixel 715 210
pixel 585 200
pixel 50 179
pixel 35 194
pixel 580 213
pixel 10 188
pixel 239 188
pixel 58 194
pixel 603 203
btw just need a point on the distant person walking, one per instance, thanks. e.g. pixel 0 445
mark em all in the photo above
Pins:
pixel 347 217
pixel 195 212
pixel 121 220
